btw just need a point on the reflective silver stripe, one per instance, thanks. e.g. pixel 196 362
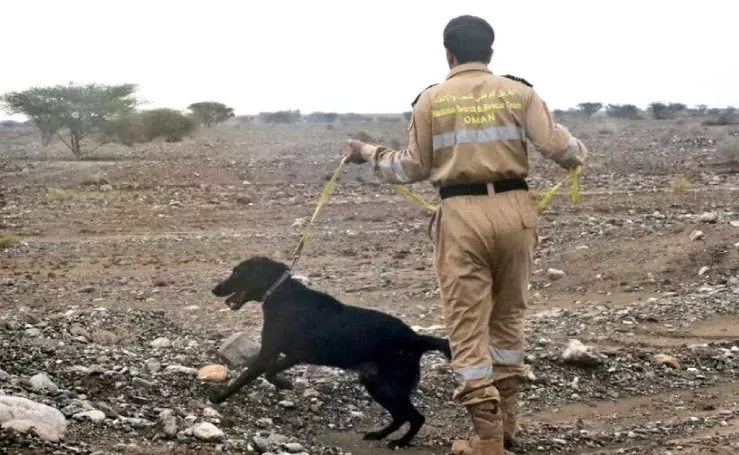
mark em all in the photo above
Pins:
pixel 397 166
pixel 474 372
pixel 479 136
pixel 506 356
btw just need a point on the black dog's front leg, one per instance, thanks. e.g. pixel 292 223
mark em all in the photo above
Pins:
pixel 281 365
pixel 254 368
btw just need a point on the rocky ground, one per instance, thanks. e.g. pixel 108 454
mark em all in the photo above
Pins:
pixel 108 327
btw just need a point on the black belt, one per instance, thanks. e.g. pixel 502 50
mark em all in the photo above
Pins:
pixel 481 189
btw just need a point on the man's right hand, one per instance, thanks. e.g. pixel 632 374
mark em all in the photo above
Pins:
pixel 353 152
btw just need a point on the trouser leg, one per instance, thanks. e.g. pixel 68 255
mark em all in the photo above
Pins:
pixel 513 261
pixel 466 288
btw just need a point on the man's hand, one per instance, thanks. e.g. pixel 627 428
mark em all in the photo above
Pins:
pixel 353 151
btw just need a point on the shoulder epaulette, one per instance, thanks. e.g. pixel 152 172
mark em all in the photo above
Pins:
pixel 518 79
pixel 419 95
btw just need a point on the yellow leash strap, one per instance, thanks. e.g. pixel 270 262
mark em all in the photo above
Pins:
pixel 574 176
pixel 321 202
pixel 407 192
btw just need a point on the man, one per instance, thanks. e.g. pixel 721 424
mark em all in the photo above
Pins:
pixel 468 137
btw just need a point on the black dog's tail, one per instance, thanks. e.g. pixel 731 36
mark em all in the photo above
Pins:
pixel 431 343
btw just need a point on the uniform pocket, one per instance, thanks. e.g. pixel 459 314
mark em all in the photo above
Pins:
pixel 527 209
pixel 435 226
pixel 529 216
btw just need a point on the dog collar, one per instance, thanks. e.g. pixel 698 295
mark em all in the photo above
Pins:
pixel 277 284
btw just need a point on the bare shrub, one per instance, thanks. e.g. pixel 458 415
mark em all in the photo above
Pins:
pixel 8 240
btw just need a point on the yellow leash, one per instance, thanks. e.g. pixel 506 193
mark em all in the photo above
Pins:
pixel 321 202
pixel 574 176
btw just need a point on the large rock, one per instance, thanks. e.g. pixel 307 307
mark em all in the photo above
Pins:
pixel 237 349
pixel 23 415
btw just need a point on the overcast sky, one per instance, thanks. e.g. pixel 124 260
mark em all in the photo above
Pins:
pixel 370 56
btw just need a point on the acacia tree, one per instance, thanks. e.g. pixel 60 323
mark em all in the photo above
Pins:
pixel 77 110
pixel 624 111
pixel 662 111
pixel 210 113
pixel 590 108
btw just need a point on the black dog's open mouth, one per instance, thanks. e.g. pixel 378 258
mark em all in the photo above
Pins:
pixel 236 300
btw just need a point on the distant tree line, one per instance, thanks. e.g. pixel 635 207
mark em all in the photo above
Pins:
pixel 78 115
pixel 656 111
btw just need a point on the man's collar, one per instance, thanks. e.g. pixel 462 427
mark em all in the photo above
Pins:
pixel 472 66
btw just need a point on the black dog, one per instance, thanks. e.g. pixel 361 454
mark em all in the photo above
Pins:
pixel 311 327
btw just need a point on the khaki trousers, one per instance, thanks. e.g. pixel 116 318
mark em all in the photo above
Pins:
pixel 483 255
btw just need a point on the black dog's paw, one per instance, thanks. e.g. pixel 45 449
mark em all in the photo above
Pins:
pixel 281 383
pixel 217 396
pixel 398 444
pixel 373 436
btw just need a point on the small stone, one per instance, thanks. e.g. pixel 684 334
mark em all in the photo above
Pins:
pixel 265 422
pixel 213 373
pixel 161 343
pixel 278 438
pixel 708 217
pixel 168 422
pixel 299 222
pixel 93 416
pixel 33 332
pixel 179 369
pixel 4 376
pixel 696 235
pixel 703 270
pixel 206 431
pixel 668 360
pixel 576 353
pixel 41 382
pixel 555 274
pixel 211 413
pixel 138 382
pixel 294 447
pixel 311 393
pixel 153 365
pixel 263 445
pixel 287 404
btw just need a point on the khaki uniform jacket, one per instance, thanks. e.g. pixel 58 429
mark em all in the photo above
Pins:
pixel 473 128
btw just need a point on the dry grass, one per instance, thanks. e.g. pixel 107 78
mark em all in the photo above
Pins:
pixel 8 240
pixel 679 183
pixel 58 195
pixel 729 150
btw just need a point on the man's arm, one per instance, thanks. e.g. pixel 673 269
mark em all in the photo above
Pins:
pixel 551 139
pixel 413 164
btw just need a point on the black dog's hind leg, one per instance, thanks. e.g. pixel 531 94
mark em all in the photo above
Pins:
pixel 393 392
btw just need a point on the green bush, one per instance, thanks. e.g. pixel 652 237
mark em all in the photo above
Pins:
pixel 170 124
